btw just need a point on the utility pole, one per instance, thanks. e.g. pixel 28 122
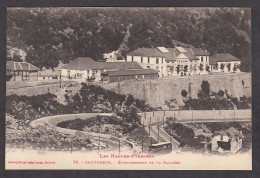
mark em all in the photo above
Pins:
pixel 143 121
pixel 158 134
pixel 60 79
pixel 234 115
pixel 142 142
pixel 192 115
pixel 179 112
pixel 99 144
pixel 150 125
pixel 71 145
pixel 220 112
pixel 119 146
pixel 163 117
pixel 163 121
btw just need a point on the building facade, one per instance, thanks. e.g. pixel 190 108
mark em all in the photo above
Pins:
pixel 224 63
pixel 172 61
pixel 20 71
pixel 87 68
pixel 134 74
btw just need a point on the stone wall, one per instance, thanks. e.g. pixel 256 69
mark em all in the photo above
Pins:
pixel 156 92
pixel 197 115
pixel 38 87
pixel 37 90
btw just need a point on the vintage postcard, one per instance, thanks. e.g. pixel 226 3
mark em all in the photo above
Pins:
pixel 108 88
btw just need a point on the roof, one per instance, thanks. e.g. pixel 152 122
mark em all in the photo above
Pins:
pixel 86 63
pixel 130 72
pixel 147 52
pixel 82 63
pixel 191 53
pixel 120 65
pixel 222 57
pixel 199 52
pixel 181 49
pixel 23 66
pixel 232 132
pixel 163 49
pixel 161 143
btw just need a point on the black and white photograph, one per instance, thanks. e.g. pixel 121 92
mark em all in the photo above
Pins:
pixel 128 88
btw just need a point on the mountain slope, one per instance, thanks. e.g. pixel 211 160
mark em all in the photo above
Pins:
pixel 50 35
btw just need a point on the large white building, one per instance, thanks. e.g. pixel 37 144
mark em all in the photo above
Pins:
pixel 172 61
pixel 183 61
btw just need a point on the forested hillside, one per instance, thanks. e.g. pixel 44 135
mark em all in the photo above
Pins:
pixel 45 36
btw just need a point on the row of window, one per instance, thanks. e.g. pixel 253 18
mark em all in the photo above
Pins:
pixel 202 59
pixel 157 60
pixel 148 61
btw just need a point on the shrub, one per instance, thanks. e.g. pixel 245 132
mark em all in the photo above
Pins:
pixel 221 93
pixel 184 93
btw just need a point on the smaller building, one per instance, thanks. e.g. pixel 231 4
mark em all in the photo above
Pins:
pixel 47 74
pixel 19 71
pixel 227 141
pixel 224 62
pixel 82 68
pixel 87 68
pixel 121 75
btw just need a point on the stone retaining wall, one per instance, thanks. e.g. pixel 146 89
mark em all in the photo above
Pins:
pixel 189 115
pixel 156 92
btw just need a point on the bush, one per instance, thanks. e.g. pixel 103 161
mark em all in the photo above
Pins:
pixel 205 88
pixel 221 93
pixel 184 93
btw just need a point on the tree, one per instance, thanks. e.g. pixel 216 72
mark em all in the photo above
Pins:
pixel 15 58
pixel 171 69
pixel 130 99
pixel 184 93
pixel 178 69
pixel 195 67
pixel 236 67
pixel 222 66
pixel 215 67
pixel 221 93
pixel 185 68
pixel 201 67
pixel 80 37
pixel 205 88
pixel 207 68
pixel 229 66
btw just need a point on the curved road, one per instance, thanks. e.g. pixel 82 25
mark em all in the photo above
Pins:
pixel 113 145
